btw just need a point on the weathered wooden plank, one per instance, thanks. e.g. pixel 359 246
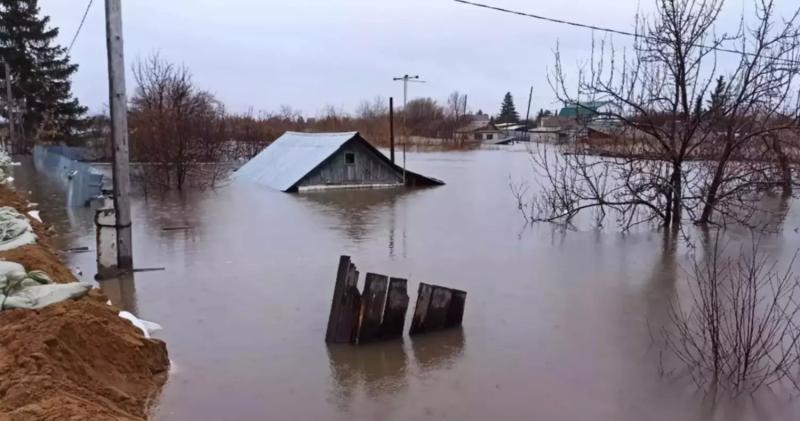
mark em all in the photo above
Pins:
pixel 344 304
pixel 338 299
pixel 373 302
pixel 455 313
pixel 367 169
pixel 351 315
pixel 421 309
pixel 438 308
pixel 394 315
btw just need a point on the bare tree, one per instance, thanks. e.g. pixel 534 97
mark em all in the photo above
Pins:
pixel 738 331
pixel 425 117
pixel 175 128
pixel 457 106
pixel 371 110
pixel 660 155
pixel 288 113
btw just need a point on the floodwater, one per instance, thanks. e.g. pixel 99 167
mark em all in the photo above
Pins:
pixel 558 325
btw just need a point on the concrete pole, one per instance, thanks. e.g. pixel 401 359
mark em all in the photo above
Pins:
pixel 12 129
pixel 406 78
pixel 405 128
pixel 119 133
pixel 391 128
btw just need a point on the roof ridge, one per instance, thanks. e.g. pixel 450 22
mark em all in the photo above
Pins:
pixel 352 133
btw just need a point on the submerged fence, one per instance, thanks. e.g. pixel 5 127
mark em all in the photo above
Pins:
pixel 379 312
pixel 62 163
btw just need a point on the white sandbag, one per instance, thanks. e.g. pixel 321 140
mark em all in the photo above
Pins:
pixel 34 289
pixel 10 271
pixel 146 327
pixel 5 165
pixel 38 296
pixel 35 215
pixel 15 229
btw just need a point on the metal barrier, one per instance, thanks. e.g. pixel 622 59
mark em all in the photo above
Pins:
pixel 81 181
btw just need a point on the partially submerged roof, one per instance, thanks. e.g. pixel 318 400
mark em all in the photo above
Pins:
pixel 476 125
pixel 511 126
pixel 290 158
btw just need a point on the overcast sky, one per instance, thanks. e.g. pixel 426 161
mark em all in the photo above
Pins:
pixel 310 53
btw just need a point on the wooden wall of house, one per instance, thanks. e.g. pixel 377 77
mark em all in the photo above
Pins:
pixel 366 169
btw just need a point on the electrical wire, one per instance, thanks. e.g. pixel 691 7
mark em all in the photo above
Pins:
pixel 78 31
pixel 609 30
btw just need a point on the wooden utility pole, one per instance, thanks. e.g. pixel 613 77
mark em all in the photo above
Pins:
pixel 119 133
pixel 528 116
pixel 391 128
pixel 12 129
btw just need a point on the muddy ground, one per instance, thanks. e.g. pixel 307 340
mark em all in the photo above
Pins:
pixel 75 360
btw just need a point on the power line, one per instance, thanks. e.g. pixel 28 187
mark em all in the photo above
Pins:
pixel 78 31
pixel 608 30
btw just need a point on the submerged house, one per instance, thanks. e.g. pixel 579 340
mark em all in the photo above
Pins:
pixel 315 161
pixel 593 112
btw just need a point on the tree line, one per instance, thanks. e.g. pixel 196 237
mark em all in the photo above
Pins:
pixel 174 125
pixel 183 132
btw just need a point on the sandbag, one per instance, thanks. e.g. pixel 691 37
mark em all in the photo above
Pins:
pixel 146 327
pixel 38 296
pixel 34 289
pixel 5 165
pixel 15 229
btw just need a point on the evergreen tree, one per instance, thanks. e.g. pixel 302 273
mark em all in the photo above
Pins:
pixel 40 72
pixel 508 113
pixel 719 97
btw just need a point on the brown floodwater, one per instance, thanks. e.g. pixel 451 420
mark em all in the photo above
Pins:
pixel 559 325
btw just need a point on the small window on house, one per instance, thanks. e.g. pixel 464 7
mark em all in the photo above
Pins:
pixel 489 136
pixel 349 158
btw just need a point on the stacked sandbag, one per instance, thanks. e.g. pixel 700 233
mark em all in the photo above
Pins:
pixel 34 289
pixel 15 229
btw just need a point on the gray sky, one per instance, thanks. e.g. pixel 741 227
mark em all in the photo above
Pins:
pixel 309 53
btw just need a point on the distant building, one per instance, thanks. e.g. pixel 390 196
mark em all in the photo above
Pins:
pixel 544 134
pixel 573 120
pixel 594 112
pixel 511 127
pixel 556 122
pixel 478 129
pixel 488 133
pixel 481 130
pixel 315 161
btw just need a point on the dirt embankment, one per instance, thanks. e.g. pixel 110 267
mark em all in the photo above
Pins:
pixel 75 360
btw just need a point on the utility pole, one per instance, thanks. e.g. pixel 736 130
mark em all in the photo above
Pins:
pixel 528 116
pixel 12 130
pixel 119 133
pixel 406 78
pixel 391 128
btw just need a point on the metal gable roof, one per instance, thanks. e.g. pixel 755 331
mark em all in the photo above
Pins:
pixel 291 157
